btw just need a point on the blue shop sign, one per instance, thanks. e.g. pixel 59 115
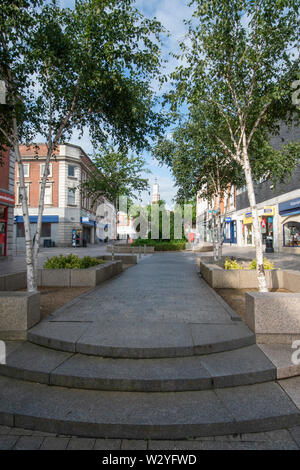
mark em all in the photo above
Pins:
pixel 289 207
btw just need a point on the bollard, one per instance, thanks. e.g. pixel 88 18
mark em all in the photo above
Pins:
pixel 144 250
pixel 112 253
pixel 140 251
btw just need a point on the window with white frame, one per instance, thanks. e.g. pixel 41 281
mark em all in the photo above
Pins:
pixel 71 197
pixel 27 186
pixel 42 169
pixel 71 171
pixel 48 194
pixel 26 170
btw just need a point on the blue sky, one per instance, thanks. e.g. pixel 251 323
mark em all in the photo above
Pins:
pixel 171 13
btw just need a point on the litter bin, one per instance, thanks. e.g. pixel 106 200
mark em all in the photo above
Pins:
pixel 269 245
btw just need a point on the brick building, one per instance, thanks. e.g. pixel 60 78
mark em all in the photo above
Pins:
pixel 68 217
pixel 7 201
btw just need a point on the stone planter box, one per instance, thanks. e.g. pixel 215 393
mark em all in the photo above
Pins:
pixel 130 249
pixel 203 247
pixel 220 278
pixel 12 282
pixel 273 316
pixel 19 311
pixel 79 277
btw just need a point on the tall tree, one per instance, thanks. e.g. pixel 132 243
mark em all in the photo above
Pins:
pixel 200 166
pixel 241 59
pixel 116 174
pixel 75 69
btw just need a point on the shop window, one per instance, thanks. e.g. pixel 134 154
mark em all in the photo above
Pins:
pixel 20 230
pixel 46 230
pixel 291 234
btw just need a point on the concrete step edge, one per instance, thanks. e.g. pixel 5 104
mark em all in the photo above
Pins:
pixel 34 363
pixel 179 415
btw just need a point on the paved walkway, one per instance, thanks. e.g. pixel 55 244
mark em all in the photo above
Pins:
pixel 163 287
pixel 164 293
pixel 23 439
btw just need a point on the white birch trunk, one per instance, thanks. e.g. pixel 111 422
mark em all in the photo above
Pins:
pixel 219 244
pixel 36 245
pixel 262 282
pixel 214 237
pixel 31 278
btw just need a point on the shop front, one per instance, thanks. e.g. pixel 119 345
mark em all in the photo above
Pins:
pixel 49 231
pixel 289 212
pixel 3 230
pixel 6 212
pixel 88 230
pixel 247 229
pixel 230 231
pixel 267 223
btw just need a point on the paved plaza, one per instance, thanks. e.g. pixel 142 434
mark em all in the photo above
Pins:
pixel 145 361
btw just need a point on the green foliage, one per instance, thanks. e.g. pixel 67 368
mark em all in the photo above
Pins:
pixel 240 66
pixel 117 174
pixel 232 264
pixel 267 264
pixel 161 245
pixel 83 68
pixel 71 262
pixel 197 161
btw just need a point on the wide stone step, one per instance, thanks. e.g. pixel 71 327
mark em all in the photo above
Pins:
pixel 173 415
pixel 34 363
pixel 140 339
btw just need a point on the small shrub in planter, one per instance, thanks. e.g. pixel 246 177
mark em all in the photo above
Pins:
pixel 267 264
pixel 71 262
pixel 233 264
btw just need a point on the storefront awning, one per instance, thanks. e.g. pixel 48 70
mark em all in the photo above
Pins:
pixel 52 219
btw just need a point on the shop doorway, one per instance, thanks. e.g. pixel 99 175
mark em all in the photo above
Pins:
pixel 266 228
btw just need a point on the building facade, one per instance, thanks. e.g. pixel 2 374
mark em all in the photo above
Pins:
pixel 278 208
pixel 68 218
pixel 278 205
pixel 7 201
pixel 206 210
